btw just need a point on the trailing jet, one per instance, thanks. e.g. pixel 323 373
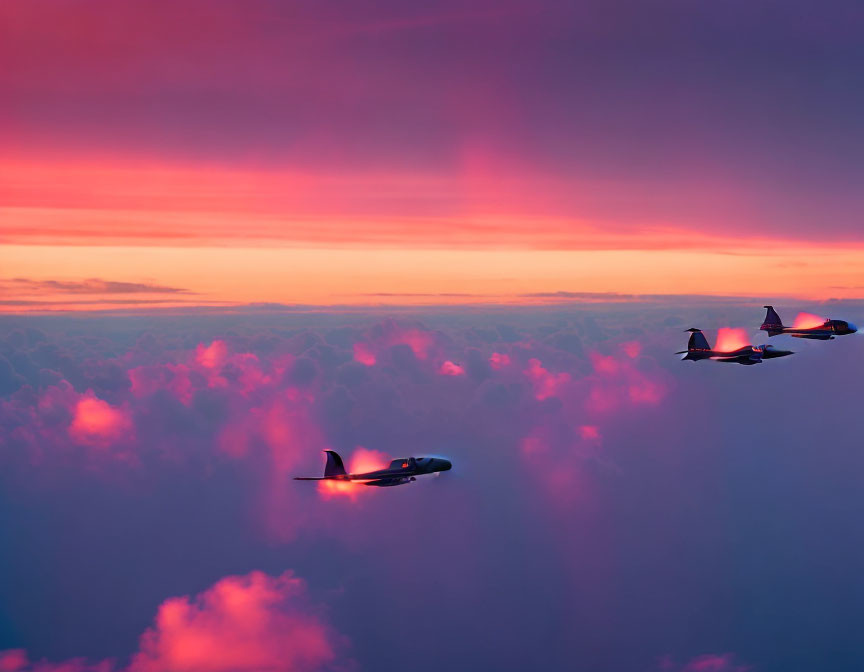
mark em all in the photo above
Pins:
pixel 399 472
pixel 698 349
pixel 825 331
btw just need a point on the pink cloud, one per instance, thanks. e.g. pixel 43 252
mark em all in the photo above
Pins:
pixel 13 660
pixel 632 349
pixel 619 381
pixel 546 384
pixel 389 334
pixel 16 660
pixel 448 368
pixel 363 354
pixel 242 623
pixel 499 361
pixel 212 356
pixel 98 424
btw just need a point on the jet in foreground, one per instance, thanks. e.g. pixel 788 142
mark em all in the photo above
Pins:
pixel 698 348
pixel 399 472
pixel 821 332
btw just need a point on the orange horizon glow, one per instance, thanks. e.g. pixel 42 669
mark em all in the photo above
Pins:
pixel 188 235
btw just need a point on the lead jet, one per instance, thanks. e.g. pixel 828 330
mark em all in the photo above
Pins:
pixel 698 349
pixel 401 471
pixel 820 332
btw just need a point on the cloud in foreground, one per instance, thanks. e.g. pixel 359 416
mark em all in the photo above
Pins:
pixel 241 624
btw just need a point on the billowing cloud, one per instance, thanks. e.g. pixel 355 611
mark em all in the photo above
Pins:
pixel 97 423
pixel 448 368
pixel 546 384
pixel 240 624
pixel 213 355
pixel 498 360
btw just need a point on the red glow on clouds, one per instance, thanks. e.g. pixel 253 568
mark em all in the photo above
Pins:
pixel 13 660
pixel 368 351
pixel 589 432
pixel 97 423
pixel 16 660
pixel 546 384
pixel 419 342
pixel 808 321
pixel 212 356
pixel 363 354
pixel 731 339
pixel 632 349
pixel 499 361
pixel 242 623
pixel 645 391
pixel 448 368
pixel 606 364
pixel 362 461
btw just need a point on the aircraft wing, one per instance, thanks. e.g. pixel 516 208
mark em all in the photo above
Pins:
pixel 815 335
pixel 387 482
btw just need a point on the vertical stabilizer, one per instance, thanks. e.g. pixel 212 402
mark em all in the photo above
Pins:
pixel 772 324
pixel 697 341
pixel 334 466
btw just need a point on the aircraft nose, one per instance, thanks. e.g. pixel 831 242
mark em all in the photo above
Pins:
pixel 444 465
pixel 852 327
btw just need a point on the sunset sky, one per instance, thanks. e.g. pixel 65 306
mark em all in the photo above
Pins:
pixel 237 233
pixel 410 153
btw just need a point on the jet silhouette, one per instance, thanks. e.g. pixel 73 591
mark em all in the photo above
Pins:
pixel 401 471
pixel 698 349
pixel 824 332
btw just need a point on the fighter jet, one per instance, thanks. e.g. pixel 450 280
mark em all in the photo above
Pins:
pixel 698 348
pixel 401 471
pixel 821 332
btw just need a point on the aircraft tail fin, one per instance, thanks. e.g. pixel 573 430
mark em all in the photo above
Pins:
pixel 334 466
pixel 772 324
pixel 697 341
pixel 697 346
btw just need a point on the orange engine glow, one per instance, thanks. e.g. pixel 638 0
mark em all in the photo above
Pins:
pixel 731 339
pixel 808 321
pixel 361 462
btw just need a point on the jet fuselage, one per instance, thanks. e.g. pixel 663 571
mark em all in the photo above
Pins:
pixel 401 471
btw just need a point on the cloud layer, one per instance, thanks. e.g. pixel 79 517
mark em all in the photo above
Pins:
pixel 621 495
